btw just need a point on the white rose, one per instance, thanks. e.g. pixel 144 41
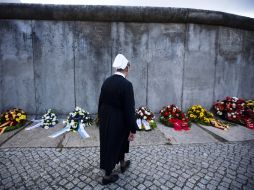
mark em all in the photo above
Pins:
pixel 46 127
pixel 145 117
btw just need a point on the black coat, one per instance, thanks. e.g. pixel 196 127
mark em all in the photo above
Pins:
pixel 116 114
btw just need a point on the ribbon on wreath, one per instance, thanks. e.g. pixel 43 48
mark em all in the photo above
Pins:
pixel 249 123
pixel 36 125
pixel 81 130
pixel 143 123
pixel 178 124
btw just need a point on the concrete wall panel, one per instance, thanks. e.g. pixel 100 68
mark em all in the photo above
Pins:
pixel 92 62
pixel 229 63
pixel 131 39
pixel 166 56
pixel 54 65
pixel 246 82
pixel 199 68
pixel 16 63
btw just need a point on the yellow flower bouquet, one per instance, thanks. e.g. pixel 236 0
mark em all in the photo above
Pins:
pixel 12 119
pixel 198 114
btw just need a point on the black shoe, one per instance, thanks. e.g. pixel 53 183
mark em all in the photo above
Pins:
pixel 126 166
pixel 111 179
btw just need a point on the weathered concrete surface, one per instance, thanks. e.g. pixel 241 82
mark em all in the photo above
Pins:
pixel 73 139
pixel 122 13
pixel 165 65
pixel 199 66
pixel 16 66
pixel 154 137
pixel 6 136
pixel 194 135
pixel 131 39
pixel 54 66
pixel 60 64
pixel 37 137
pixel 246 81
pixel 229 63
pixel 92 62
pixel 235 133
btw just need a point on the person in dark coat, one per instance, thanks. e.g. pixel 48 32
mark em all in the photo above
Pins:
pixel 117 121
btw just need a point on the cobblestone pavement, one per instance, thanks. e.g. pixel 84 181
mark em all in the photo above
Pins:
pixel 203 166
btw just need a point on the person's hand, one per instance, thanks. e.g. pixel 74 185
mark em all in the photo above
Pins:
pixel 131 136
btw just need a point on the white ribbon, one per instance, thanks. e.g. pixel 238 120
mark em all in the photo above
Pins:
pixel 82 132
pixel 139 123
pixel 62 131
pixel 146 125
pixel 35 126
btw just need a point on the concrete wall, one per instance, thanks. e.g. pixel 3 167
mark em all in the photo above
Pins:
pixel 60 64
pixel 57 56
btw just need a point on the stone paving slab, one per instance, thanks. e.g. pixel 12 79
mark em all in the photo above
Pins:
pixel 153 137
pixel 234 133
pixel 5 136
pixel 194 135
pixel 73 139
pixel 37 137
pixel 194 166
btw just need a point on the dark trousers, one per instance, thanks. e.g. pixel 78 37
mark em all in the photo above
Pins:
pixel 121 158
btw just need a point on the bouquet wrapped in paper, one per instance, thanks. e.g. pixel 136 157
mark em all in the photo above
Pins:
pixel 49 120
pixel 76 122
pixel 235 110
pixel 172 116
pixel 198 114
pixel 145 119
pixel 12 119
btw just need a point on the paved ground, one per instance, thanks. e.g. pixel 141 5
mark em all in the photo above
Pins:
pixel 196 166
pixel 202 158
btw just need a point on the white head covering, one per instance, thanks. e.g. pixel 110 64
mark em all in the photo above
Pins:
pixel 120 62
